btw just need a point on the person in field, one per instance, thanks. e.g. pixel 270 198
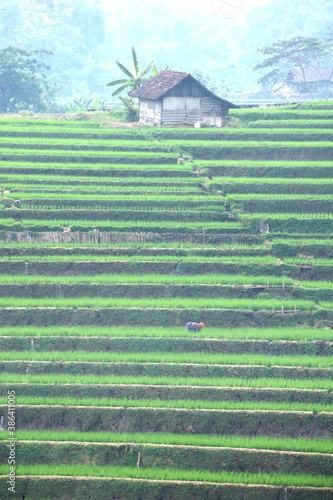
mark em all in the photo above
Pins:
pixel 194 327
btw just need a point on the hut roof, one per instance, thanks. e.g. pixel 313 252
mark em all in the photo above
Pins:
pixel 165 80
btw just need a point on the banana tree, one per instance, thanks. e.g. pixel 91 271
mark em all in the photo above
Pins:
pixel 134 80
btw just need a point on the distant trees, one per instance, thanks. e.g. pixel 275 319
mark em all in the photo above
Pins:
pixel 298 53
pixel 218 87
pixel 23 81
pixel 73 30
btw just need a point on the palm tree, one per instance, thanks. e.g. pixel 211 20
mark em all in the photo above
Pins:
pixel 134 80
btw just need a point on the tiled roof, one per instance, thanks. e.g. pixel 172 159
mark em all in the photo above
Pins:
pixel 159 84
pixel 313 74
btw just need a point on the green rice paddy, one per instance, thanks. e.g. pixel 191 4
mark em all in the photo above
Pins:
pixel 196 216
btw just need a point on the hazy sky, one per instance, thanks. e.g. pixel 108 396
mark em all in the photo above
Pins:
pixel 229 8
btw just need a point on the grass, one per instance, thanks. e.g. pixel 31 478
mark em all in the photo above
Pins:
pixel 116 144
pixel 136 245
pixel 173 303
pixel 117 198
pixel 69 152
pixel 114 180
pixel 288 216
pixel 280 111
pixel 142 258
pixel 316 284
pixel 117 224
pixel 297 260
pixel 171 358
pixel 278 196
pixel 259 442
pixel 271 334
pixel 204 279
pixel 241 383
pixel 326 304
pixel 261 163
pixel 267 180
pixel 187 404
pixel 114 189
pixel 150 135
pixel 292 124
pixel 305 241
pixel 186 167
pixel 48 123
pixel 171 475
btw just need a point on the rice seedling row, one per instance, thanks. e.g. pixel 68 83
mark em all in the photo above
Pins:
pixel 48 122
pixel 38 289
pixel 270 186
pixel 271 334
pixel 242 420
pixel 196 457
pixel 226 441
pixel 179 303
pixel 282 114
pixel 205 477
pixel 15 135
pixel 291 124
pixel 229 149
pixel 192 228
pixel 311 105
pixel 264 169
pixel 316 387
pixel 72 153
pixel 185 404
pixel 177 369
pixel 117 174
pixel 110 249
pixel 49 316
pixel 236 397
pixel 172 345
pixel 73 267
pixel 146 213
pixel 197 358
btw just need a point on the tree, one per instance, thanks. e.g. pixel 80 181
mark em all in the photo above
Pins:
pixel 73 30
pixel 219 87
pixel 23 81
pixel 133 81
pixel 298 53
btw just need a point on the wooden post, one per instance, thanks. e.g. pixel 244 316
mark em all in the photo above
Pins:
pixel 283 285
pixel 267 284
pixel 295 309
pixel 282 310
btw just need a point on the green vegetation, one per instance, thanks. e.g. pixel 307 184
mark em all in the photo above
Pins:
pixel 208 279
pixel 182 403
pixel 178 303
pixel 259 442
pixel 104 234
pixel 10 378
pixel 172 475
pixel 272 334
pixel 161 357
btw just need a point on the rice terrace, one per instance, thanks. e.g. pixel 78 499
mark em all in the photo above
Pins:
pixel 112 240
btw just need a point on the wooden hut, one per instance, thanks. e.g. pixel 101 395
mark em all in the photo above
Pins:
pixel 172 98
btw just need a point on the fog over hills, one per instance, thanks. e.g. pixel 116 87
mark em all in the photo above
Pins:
pixel 218 37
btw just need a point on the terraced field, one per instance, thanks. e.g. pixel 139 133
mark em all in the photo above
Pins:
pixel 109 246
